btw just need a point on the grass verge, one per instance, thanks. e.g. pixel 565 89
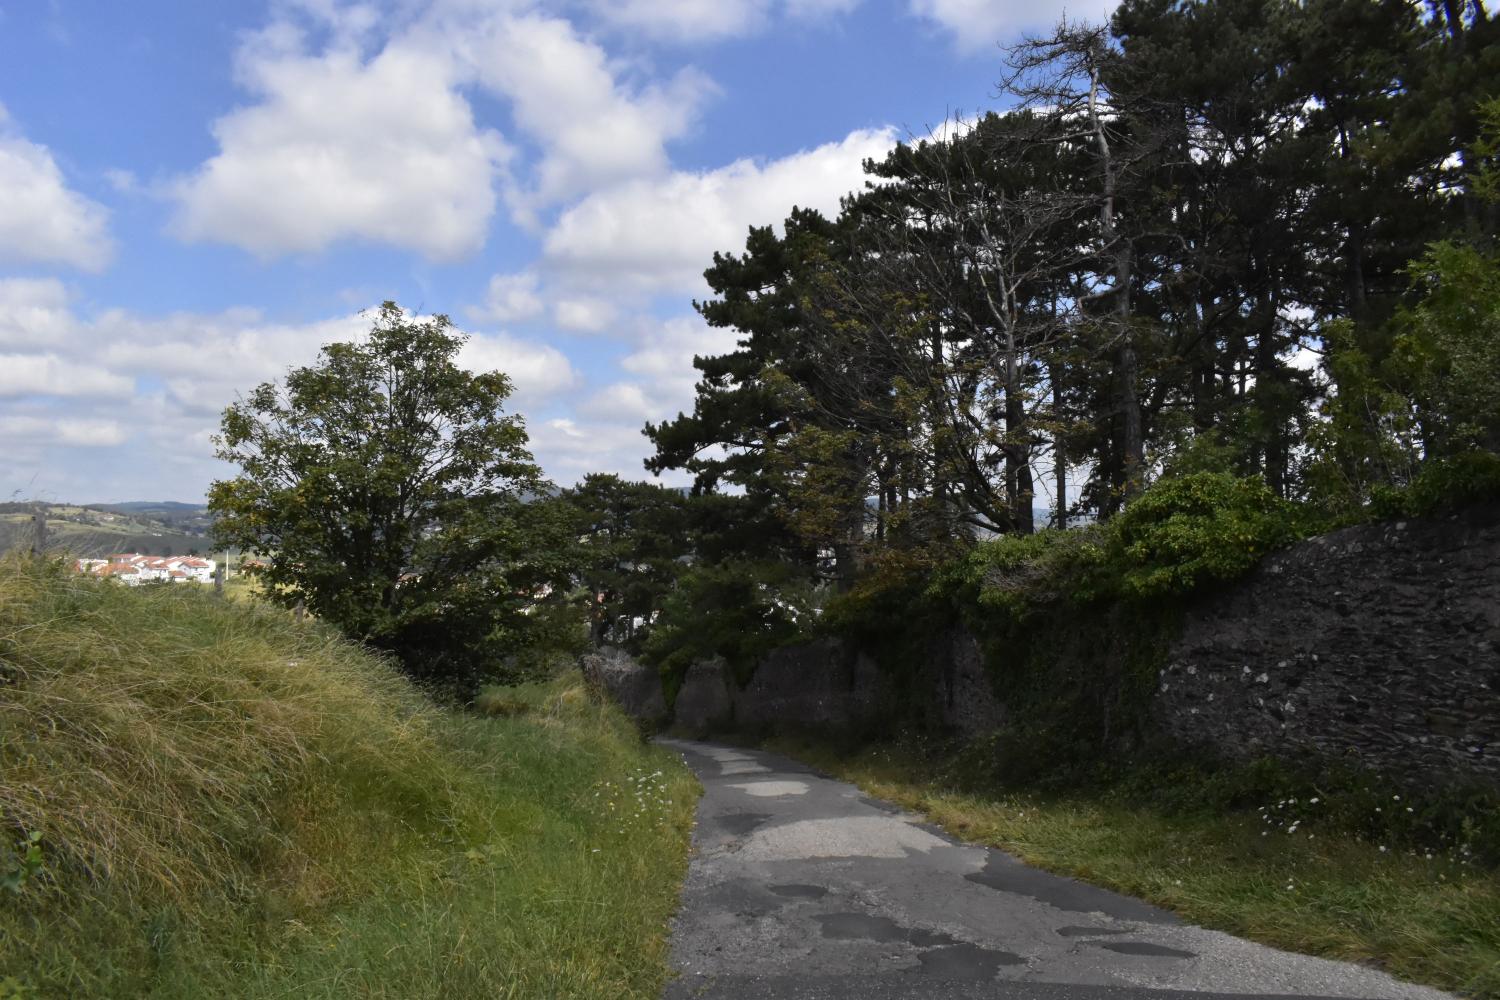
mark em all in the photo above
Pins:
pixel 232 805
pixel 1277 873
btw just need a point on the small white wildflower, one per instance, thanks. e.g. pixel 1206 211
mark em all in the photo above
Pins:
pixel 1382 848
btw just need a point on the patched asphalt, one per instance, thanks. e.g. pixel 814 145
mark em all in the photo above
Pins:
pixel 803 888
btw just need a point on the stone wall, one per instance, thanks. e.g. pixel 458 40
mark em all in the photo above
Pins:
pixel 705 702
pixel 637 689
pixel 1378 645
pixel 816 685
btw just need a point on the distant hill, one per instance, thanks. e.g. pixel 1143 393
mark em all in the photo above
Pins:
pixel 150 506
pixel 188 518
pixel 153 528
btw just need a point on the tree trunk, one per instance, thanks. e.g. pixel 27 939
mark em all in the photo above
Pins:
pixel 1059 459
pixel 1019 489
pixel 1267 382
pixel 1132 436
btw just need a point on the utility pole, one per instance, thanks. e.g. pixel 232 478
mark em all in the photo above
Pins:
pixel 39 533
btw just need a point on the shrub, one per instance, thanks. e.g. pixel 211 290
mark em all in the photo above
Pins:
pixel 1197 530
pixel 1017 574
pixel 883 602
pixel 1443 484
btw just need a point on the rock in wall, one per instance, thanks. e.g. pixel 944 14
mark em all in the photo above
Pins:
pixel 705 701
pixel 1378 645
pixel 823 684
pixel 962 689
pixel 810 684
pixel 637 688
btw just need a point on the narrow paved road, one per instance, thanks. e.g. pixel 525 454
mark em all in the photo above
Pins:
pixel 802 887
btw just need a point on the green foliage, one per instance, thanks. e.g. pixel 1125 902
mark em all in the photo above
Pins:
pixel 1183 534
pixel 736 609
pixel 1073 624
pixel 632 539
pixel 12 988
pixel 1197 530
pixel 1443 485
pixel 1367 437
pixel 391 494
pixel 1484 159
pixel 1015 574
pixel 1415 393
pixel 21 864
pixel 1446 351
pixel 888 604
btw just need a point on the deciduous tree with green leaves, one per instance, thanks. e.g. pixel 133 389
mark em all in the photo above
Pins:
pixel 391 493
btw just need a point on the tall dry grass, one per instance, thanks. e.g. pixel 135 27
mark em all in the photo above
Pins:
pixel 234 804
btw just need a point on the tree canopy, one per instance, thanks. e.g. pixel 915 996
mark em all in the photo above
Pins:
pixel 393 497
pixel 1206 236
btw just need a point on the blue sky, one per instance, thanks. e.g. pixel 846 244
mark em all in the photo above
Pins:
pixel 196 196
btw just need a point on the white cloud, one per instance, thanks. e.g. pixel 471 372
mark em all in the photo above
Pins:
pixel 510 298
pixel 623 401
pixel 659 235
pixel 569 450
pixel 685 20
pixel 41 220
pixel 34 313
pixel 813 9
pixel 538 371
pixel 65 431
pixel 709 20
pixel 50 375
pixel 342 147
pixel 206 360
pixel 124 182
pixel 664 359
pixel 976 26
pixel 565 94
pixel 343 144
pixel 584 315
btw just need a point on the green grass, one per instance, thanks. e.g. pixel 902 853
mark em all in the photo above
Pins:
pixel 1321 890
pixel 233 806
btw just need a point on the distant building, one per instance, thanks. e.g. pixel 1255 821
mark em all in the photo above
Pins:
pixel 133 568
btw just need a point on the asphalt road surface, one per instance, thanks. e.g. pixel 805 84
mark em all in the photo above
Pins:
pixel 803 888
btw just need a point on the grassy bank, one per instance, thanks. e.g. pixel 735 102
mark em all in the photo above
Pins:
pixel 230 805
pixel 1289 873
